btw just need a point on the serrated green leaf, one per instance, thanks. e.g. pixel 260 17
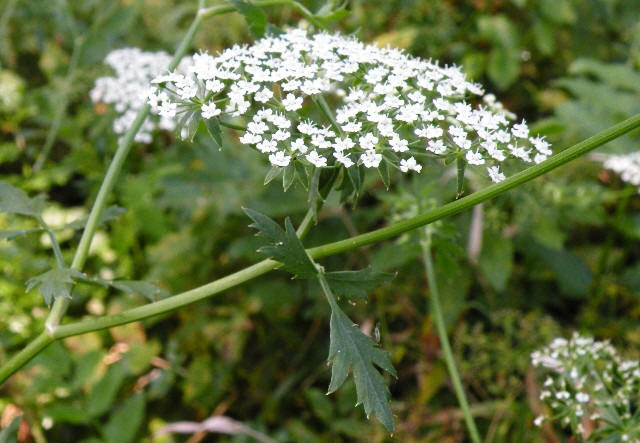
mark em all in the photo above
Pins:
pixel 282 245
pixel 52 284
pixel 255 17
pixel 146 289
pixel 10 235
pixel 330 13
pixel 214 130
pixel 14 201
pixel 109 214
pixel 356 284
pixel 351 349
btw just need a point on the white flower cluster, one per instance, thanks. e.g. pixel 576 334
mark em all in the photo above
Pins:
pixel 627 165
pixel 129 89
pixel 388 106
pixel 589 380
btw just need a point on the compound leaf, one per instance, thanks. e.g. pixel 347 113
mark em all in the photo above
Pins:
pixel 149 291
pixel 109 214
pixel 351 349
pixel 282 245
pixel 356 284
pixel 10 235
pixel 255 17
pixel 14 201
pixel 54 283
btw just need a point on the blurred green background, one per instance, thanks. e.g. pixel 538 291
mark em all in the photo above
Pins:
pixel 556 255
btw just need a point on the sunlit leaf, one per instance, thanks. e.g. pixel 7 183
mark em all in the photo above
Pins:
pixel 52 284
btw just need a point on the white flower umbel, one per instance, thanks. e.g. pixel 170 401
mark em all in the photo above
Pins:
pixel 626 165
pixel 388 105
pixel 588 378
pixel 128 90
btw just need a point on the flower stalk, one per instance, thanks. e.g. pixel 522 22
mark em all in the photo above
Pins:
pixel 441 329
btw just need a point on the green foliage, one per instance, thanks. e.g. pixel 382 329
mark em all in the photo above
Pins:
pixel 14 201
pixel 558 253
pixel 356 284
pixel 255 16
pixel 282 245
pixel 56 282
pixel 351 349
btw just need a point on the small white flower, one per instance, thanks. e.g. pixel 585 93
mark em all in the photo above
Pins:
pixel 317 160
pixel 298 145
pixel 520 130
pixel 371 159
pixel 279 159
pixel 582 397
pixel 249 138
pixel 352 127
pixel 214 85
pixel 436 146
pixel 258 127
pixel 210 110
pixel 474 158
pixel 410 164
pixel 343 144
pixel 281 135
pixel 368 141
pixel 494 174
pixel 343 159
pixel 263 95
pixel 399 145
pixel 292 103
pixel 538 421
pixel 266 146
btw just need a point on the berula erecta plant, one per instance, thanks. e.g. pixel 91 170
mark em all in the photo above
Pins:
pixel 324 109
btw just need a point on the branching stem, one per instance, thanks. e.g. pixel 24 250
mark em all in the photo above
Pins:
pixel 378 235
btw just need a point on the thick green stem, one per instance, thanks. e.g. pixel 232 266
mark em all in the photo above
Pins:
pixel 61 304
pixel 441 329
pixel 24 356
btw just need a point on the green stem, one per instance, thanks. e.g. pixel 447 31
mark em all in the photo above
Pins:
pixel 487 193
pixel 24 356
pixel 436 312
pixel 61 304
pixel 223 9
pixel 378 235
pixel 61 106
